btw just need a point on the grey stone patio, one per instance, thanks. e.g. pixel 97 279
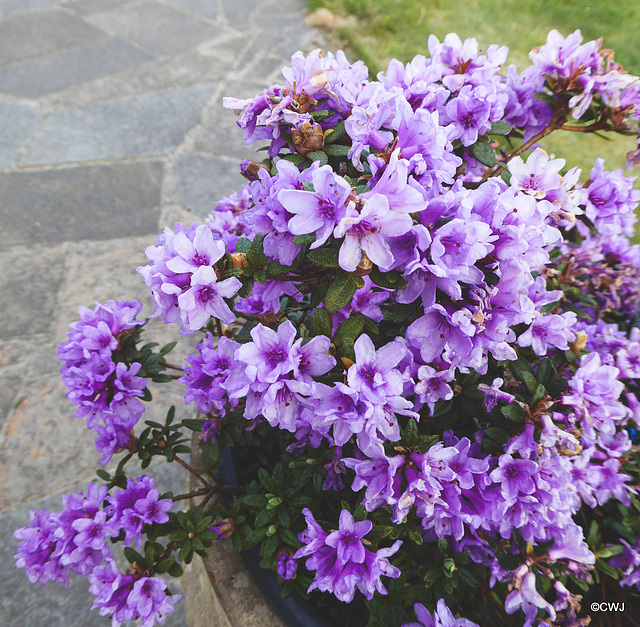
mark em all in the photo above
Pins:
pixel 111 127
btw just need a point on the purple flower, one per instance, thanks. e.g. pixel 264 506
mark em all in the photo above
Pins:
pixel 319 211
pixel 515 476
pixel 337 560
pixel 442 617
pixel 347 540
pixel 205 298
pixel 286 566
pixel 365 232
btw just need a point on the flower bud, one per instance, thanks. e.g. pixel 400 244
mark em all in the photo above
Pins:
pixel 579 343
pixel 308 138
pixel 239 260
pixel 364 267
pixel 250 169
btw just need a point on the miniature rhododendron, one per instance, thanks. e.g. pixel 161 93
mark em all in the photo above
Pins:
pixel 417 381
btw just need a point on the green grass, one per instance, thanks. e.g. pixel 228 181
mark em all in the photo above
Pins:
pixel 399 29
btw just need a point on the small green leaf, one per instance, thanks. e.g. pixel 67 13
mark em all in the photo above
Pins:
pixel 499 128
pixel 321 322
pixel 337 150
pixel 253 537
pixel 325 257
pixel 391 280
pixel 349 331
pixel 484 154
pixel 341 292
pixel 243 245
pixel 165 565
pixel 294 158
pixel 302 240
pixel 545 97
pixel 318 155
pixel 336 133
pixel 247 287
pixel 530 381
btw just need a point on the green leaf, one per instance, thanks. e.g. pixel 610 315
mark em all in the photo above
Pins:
pixel 294 158
pixel 499 128
pixel 337 150
pixel 325 257
pixel 484 154
pixel 264 517
pixel 318 155
pixel 176 570
pixel 539 394
pixel 349 331
pixel 165 565
pixel 321 322
pixel 545 97
pixel 607 569
pixel 512 412
pixel 254 500
pixel 167 348
pixel 192 424
pixel 391 280
pixel 288 537
pixel 530 381
pixel 301 240
pixel 340 292
pixel 545 371
pixel 133 557
pixel 270 546
pixel 247 287
pixel 253 537
pixel 275 268
pixel 243 245
pixel 231 272
pixel 321 114
pixel 501 436
pixel 336 133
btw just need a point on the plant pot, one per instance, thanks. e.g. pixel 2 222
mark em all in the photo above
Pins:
pixel 227 589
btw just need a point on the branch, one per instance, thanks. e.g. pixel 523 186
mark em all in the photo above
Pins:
pixel 193 471
pixel 554 125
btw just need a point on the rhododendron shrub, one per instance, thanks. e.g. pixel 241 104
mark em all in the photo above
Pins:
pixel 420 342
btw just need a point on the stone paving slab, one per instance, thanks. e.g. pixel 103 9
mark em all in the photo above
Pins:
pixel 140 126
pixel 29 35
pixel 193 67
pixel 86 7
pixel 58 71
pixel 200 180
pixel 91 202
pixel 156 27
pixel 18 121
pixel 29 291
pixel 13 7
pixel 61 452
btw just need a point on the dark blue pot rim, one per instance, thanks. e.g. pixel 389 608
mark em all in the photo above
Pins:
pixel 294 610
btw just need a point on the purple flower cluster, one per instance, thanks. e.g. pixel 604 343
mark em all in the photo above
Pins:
pixel 183 280
pixel 227 222
pixel 76 540
pixel 103 387
pixel 516 297
pixel 341 561
pixel 442 617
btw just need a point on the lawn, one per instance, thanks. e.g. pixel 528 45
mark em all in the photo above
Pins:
pixel 399 28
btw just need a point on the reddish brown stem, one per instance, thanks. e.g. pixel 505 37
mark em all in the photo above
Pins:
pixel 193 471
